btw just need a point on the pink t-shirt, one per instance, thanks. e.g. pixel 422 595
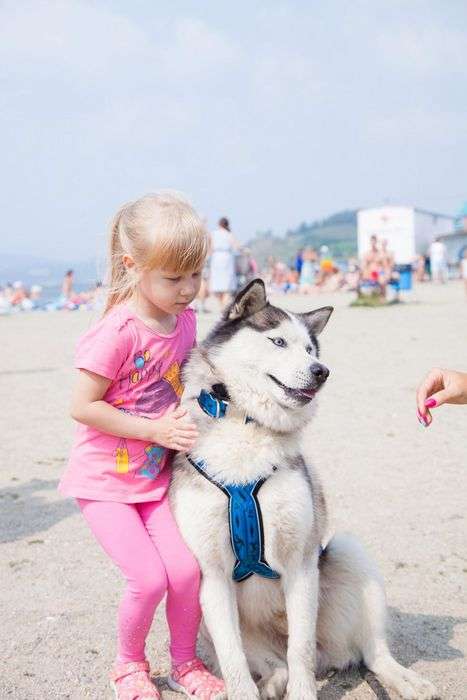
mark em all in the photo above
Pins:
pixel 144 367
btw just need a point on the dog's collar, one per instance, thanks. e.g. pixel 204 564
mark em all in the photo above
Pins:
pixel 217 403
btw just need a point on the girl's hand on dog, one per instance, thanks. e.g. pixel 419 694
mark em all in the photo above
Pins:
pixel 174 430
pixel 440 386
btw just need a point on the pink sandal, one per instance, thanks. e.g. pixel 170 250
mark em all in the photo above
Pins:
pixel 194 680
pixel 131 681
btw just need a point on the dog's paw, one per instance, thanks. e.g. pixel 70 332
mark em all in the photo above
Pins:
pixel 301 690
pixel 406 682
pixel 244 691
pixel 411 686
pixel 273 688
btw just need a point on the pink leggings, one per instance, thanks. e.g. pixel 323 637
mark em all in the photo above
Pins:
pixel 144 542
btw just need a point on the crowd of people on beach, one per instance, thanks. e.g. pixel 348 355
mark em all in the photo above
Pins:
pixel 16 296
pixel 375 273
pixel 231 265
pixel 310 272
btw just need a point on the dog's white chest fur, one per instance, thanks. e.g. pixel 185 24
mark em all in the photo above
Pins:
pixel 238 453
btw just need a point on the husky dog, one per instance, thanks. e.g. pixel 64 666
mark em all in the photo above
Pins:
pixel 277 610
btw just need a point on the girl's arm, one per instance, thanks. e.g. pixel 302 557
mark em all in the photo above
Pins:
pixel 173 430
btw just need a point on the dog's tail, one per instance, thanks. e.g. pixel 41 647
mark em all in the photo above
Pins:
pixel 351 602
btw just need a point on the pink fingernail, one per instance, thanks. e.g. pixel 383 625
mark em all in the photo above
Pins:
pixel 423 420
pixel 430 403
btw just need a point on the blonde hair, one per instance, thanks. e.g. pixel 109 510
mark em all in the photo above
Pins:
pixel 158 230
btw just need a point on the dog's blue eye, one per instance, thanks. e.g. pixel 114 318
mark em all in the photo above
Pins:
pixel 280 342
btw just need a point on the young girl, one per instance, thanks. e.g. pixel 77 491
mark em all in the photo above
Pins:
pixel 125 402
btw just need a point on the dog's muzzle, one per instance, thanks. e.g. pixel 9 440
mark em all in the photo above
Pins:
pixel 319 372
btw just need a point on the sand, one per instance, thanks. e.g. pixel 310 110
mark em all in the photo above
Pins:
pixel 400 487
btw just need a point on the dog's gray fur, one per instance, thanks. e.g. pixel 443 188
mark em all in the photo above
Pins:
pixel 268 638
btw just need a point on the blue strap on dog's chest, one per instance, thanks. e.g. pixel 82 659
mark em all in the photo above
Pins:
pixel 245 523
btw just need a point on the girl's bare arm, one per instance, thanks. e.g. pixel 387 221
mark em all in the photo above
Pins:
pixel 173 430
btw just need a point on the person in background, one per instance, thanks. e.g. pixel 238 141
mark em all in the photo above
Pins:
pixel 67 285
pixel 372 262
pixel 308 271
pixel 204 291
pixel 299 261
pixel 269 271
pixel 291 285
pixel 464 269
pixel 223 245
pixel 428 267
pixel 440 386
pixel 279 277
pixel 32 297
pixel 419 268
pixel 5 306
pixel 242 266
pixel 8 292
pixel 387 262
pixel 245 266
pixel 253 268
pixel 35 295
pixel 438 261
pixel 352 276
pixel 19 294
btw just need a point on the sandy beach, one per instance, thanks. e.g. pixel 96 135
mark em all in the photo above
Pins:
pixel 400 487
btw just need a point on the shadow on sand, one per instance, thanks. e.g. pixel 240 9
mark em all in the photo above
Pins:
pixel 417 637
pixel 24 512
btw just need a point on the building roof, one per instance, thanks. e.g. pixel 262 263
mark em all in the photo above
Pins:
pixel 433 213
pixel 408 206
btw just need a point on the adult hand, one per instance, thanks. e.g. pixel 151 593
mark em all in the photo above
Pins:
pixel 440 386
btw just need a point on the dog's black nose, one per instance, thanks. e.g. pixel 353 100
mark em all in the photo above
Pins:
pixel 319 372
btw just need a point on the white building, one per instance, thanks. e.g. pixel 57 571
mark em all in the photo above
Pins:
pixel 409 231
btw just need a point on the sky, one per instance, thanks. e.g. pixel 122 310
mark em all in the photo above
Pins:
pixel 270 113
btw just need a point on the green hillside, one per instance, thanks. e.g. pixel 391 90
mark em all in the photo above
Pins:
pixel 338 231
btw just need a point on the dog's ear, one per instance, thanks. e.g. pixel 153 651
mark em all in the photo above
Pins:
pixel 247 302
pixel 316 320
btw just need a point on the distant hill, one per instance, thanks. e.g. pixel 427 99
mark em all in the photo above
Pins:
pixel 338 231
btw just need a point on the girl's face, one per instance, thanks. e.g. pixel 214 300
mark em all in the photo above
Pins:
pixel 170 291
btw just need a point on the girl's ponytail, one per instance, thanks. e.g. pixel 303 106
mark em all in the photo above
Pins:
pixel 120 280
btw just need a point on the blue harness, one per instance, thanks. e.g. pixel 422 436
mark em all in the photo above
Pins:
pixel 245 520
pixel 245 523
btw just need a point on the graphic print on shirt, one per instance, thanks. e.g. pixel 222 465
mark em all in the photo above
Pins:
pixel 121 457
pixel 157 396
pixel 140 360
pixel 155 455
pixel 150 469
pixel 162 393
